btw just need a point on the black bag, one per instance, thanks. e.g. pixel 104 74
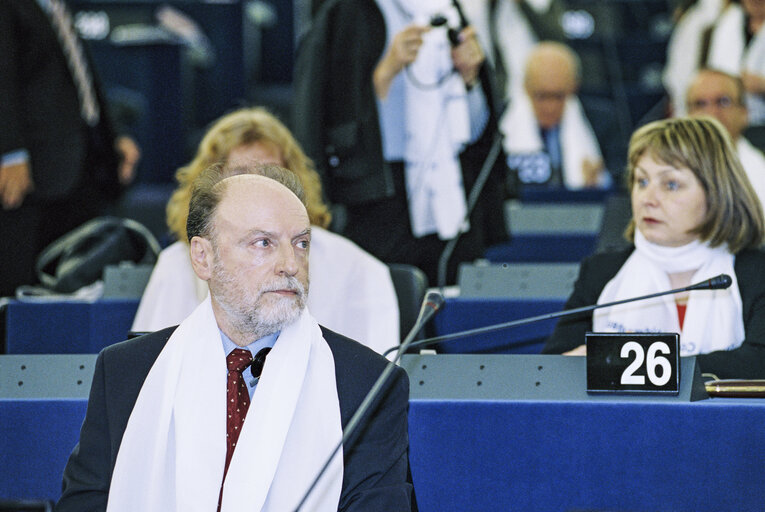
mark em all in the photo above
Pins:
pixel 78 258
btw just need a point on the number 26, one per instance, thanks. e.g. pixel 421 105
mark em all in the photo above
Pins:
pixel 652 361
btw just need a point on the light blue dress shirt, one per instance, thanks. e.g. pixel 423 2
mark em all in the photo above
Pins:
pixel 254 348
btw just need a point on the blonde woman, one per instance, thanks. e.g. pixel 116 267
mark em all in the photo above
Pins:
pixel 351 291
pixel 694 216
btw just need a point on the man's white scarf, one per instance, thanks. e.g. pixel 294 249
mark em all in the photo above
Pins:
pixel 577 140
pixel 437 122
pixel 174 447
pixel 713 319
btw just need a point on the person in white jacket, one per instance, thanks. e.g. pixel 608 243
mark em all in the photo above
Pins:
pixel 721 95
pixel 737 46
pixel 351 291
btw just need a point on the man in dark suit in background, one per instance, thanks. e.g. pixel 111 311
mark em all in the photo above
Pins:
pixel 61 162
pixel 158 434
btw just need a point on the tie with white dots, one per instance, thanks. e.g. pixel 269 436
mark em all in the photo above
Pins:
pixel 237 398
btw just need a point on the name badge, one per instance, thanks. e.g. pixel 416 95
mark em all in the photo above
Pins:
pixel 633 363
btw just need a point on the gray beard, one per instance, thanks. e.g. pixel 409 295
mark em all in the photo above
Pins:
pixel 248 313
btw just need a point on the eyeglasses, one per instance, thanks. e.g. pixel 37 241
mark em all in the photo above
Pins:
pixel 722 102
pixel 549 96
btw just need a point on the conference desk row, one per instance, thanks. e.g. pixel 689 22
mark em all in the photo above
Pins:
pixel 87 327
pixel 487 432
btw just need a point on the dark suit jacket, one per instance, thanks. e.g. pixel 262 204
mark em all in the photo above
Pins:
pixel 747 361
pixel 40 110
pixel 376 464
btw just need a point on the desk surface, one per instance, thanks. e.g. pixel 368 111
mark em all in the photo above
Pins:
pixel 494 454
pixel 608 456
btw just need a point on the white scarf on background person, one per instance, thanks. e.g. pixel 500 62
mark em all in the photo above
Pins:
pixel 729 52
pixel 515 36
pixel 754 62
pixel 713 318
pixel 726 44
pixel 174 447
pixel 437 121
pixel 577 140
pixel 684 50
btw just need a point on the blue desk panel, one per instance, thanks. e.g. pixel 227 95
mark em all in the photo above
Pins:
pixel 503 455
pixel 543 248
pixel 574 456
pixel 67 327
pixel 460 314
pixel 37 438
pixel 531 194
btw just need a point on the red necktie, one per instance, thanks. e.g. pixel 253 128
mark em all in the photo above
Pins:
pixel 237 403
pixel 237 399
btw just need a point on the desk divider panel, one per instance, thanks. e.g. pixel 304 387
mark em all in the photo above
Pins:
pixel 523 377
pixel 43 399
pixel 553 218
pixel 53 376
pixel 517 280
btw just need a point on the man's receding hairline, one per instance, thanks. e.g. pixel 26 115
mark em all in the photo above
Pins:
pixel 265 180
pixel 546 51
pixel 716 73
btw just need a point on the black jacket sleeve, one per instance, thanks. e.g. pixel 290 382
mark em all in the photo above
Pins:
pixel 748 360
pixel 88 472
pixel 376 456
pixel 594 273
pixel 117 380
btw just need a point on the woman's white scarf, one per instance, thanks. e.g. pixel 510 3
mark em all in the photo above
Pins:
pixel 713 319
pixel 437 122
pixel 728 52
pixel 577 140
pixel 173 451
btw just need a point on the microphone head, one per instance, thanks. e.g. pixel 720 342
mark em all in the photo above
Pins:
pixel 715 283
pixel 720 282
pixel 434 299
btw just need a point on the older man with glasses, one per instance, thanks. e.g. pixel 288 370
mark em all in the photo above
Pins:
pixel 721 95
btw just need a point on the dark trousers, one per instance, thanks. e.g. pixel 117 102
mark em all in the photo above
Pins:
pixel 27 230
pixel 383 229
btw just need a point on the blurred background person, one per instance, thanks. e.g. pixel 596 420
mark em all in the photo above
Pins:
pixel 687 47
pixel 547 136
pixel 737 46
pixel 391 109
pixel 694 216
pixel 351 292
pixel 720 95
pixel 508 30
pixel 61 162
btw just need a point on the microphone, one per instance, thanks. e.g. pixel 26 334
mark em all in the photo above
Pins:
pixel 430 305
pixel 256 367
pixel 718 282
pixel 486 78
pixel 715 283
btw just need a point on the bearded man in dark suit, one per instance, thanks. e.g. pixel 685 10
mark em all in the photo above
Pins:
pixel 164 429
